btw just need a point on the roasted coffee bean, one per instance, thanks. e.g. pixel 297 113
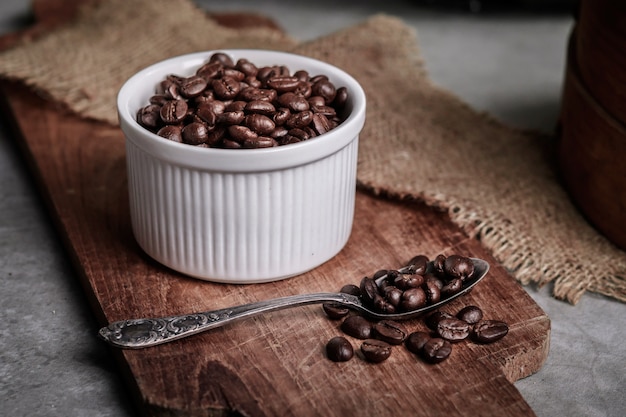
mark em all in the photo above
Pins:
pixel 351 289
pixel 301 75
pixel 470 314
pixel 416 341
pixel 375 351
pixel 433 292
pixel 406 281
pixel 436 350
pixel 195 133
pixel 259 123
pixel 226 88
pixel 453 329
pixel 232 73
pixel 341 97
pixel 293 102
pixel 369 290
pixel 300 119
pixel 339 349
pixel 452 287
pixel 174 111
pixel 222 58
pixel 158 99
pixel 210 70
pixel 283 83
pixel 316 101
pixel 335 311
pixel 259 142
pixel 237 105
pixel 241 133
pixel 432 320
pixel 418 264
pixel 171 132
pixel 324 88
pixel 438 263
pixel 389 331
pixel 192 86
pixel 281 116
pixel 149 116
pixel 206 115
pixel 230 144
pixel 458 266
pixel 320 124
pixel 393 295
pixel 246 67
pixel 412 299
pixel 489 331
pixel 357 326
pixel 279 132
pixel 299 133
pixel 382 305
pixel 433 279
pixel 260 106
pixel 231 117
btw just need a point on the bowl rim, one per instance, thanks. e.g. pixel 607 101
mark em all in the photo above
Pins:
pixel 239 160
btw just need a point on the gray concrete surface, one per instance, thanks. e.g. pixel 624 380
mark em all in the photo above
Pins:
pixel 509 64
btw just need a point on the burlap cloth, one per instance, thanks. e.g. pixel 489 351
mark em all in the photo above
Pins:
pixel 421 142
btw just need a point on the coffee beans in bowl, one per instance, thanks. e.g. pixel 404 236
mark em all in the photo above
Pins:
pixel 238 105
pixel 241 163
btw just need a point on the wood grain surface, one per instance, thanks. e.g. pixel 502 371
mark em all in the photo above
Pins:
pixel 272 365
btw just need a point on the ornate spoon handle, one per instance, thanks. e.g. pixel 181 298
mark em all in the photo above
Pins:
pixel 145 332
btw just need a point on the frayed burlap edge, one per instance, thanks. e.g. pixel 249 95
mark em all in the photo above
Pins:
pixel 419 141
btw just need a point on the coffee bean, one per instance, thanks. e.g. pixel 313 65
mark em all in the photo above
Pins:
pixel 226 88
pixel 369 290
pixel 335 311
pixel 357 326
pixel 375 351
pixel 453 330
pixel 339 349
pixel 489 331
pixel 412 299
pixel 174 111
pixel 259 142
pixel 351 289
pixel 436 350
pixel 433 292
pixel 259 123
pixel 149 116
pixel 192 86
pixel 458 266
pixel 432 320
pixel 389 331
pixel 418 264
pixel 452 287
pixel 416 341
pixel 171 132
pixel 470 314
pixel 195 133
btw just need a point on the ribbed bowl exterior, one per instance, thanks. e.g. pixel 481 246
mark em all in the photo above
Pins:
pixel 248 215
pixel 242 227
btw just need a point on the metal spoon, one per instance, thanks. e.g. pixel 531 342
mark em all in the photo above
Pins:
pixel 146 332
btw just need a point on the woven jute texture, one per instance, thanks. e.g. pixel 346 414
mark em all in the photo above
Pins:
pixel 419 142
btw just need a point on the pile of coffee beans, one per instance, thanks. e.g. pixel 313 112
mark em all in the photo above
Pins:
pixel 442 330
pixel 419 284
pixel 235 105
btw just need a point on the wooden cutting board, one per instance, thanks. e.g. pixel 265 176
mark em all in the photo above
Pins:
pixel 272 365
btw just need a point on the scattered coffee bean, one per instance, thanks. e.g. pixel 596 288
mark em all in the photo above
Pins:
pixel 416 341
pixel 489 331
pixel 436 350
pixel 453 330
pixel 389 331
pixel 470 314
pixel 339 349
pixel 223 94
pixel 357 326
pixel 433 319
pixel 375 350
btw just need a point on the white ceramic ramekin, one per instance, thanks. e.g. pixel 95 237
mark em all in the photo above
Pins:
pixel 244 215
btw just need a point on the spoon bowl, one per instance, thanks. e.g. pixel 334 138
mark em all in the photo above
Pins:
pixel 146 332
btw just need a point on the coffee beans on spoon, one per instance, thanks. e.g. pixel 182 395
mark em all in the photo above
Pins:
pixel 234 105
pixel 393 287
